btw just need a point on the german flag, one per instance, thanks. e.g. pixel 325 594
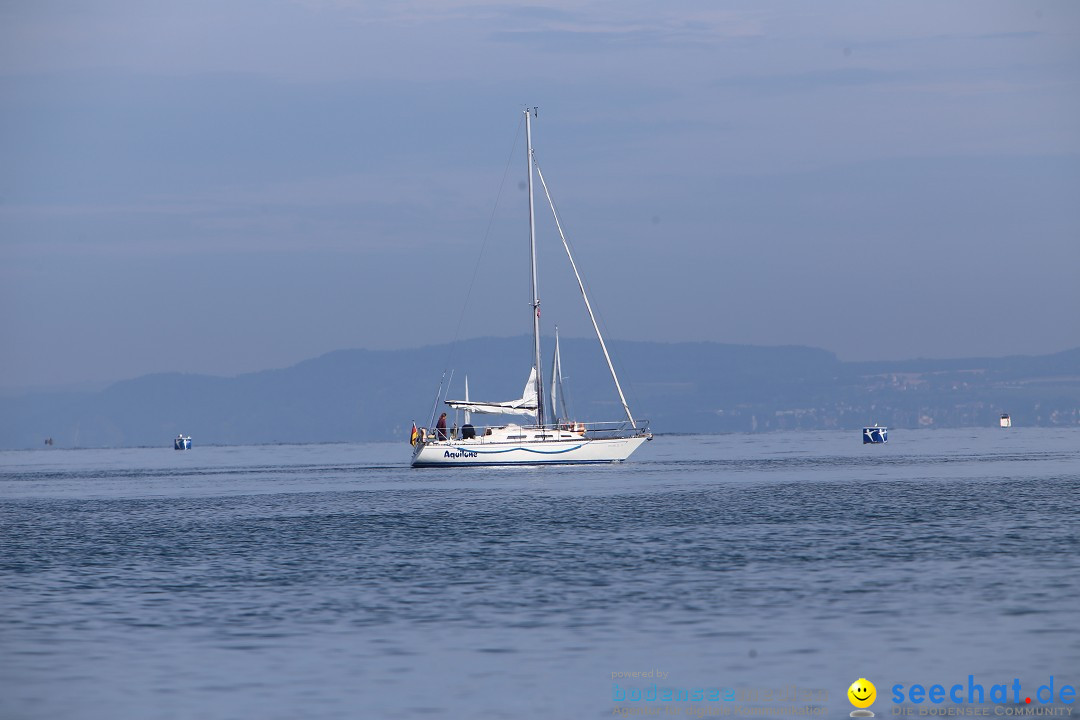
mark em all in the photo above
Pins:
pixel 412 437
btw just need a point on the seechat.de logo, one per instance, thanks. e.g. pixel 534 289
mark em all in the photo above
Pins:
pixel 976 693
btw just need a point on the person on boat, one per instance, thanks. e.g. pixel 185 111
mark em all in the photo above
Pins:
pixel 440 428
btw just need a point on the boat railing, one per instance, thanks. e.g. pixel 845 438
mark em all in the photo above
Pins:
pixel 610 429
pixel 591 430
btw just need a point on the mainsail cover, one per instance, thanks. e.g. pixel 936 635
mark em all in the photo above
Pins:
pixel 525 406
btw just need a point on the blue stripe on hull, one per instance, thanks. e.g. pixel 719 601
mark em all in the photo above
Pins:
pixel 512 464
pixel 514 449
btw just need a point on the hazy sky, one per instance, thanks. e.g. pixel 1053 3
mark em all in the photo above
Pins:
pixel 226 186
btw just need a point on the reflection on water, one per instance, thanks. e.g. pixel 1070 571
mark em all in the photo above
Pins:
pixel 329 581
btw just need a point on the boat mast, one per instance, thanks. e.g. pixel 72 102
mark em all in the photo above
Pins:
pixel 535 296
pixel 468 415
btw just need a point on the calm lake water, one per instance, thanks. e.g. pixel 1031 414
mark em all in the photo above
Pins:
pixel 332 581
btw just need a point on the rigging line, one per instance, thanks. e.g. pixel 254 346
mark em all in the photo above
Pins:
pixel 479 257
pixel 616 357
pixel 584 294
pixel 448 384
pixel 599 316
pixel 435 404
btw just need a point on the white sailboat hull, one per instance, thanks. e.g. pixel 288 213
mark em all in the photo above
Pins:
pixel 546 452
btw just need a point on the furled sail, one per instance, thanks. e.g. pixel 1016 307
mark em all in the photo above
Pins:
pixel 525 406
pixel 557 392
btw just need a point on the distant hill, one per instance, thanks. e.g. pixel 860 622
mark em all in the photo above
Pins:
pixel 352 395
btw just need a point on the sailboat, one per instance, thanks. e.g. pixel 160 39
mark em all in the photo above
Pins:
pixel 550 437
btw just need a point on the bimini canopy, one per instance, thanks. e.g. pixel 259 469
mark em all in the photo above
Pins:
pixel 525 406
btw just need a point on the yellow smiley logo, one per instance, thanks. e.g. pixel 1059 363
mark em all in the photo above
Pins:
pixel 862 693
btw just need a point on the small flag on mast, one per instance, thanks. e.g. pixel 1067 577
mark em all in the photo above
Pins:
pixel 412 436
